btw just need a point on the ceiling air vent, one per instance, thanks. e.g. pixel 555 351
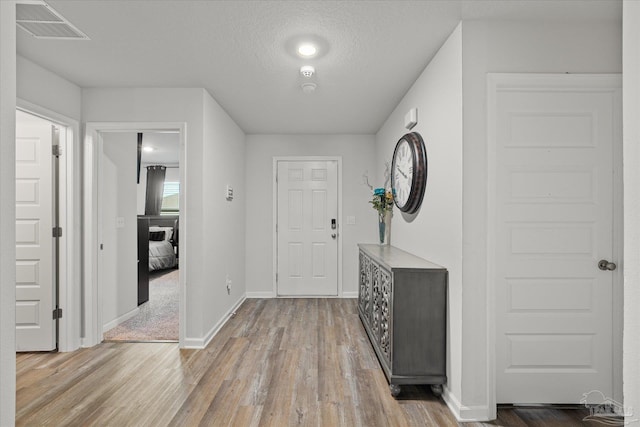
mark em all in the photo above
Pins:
pixel 42 22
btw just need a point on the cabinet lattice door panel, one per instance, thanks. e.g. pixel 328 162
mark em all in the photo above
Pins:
pixel 375 296
pixel 402 305
pixel 385 306
pixel 364 294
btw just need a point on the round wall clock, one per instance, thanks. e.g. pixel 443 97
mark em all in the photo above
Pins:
pixel 409 172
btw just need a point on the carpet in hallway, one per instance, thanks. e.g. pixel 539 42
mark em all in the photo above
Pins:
pixel 158 317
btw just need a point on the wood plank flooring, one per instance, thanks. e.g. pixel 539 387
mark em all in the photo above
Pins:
pixel 278 362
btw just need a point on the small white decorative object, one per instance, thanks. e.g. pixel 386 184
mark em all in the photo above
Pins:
pixel 411 118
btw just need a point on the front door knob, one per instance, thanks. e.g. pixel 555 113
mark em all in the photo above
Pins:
pixel 605 265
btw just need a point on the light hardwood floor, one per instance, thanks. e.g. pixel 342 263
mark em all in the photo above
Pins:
pixel 278 362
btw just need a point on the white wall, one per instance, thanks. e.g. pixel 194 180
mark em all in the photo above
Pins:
pixel 7 212
pixel 508 47
pixel 631 265
pixel 222 234
pixel 120 278
pixel 435 232
pixel 212 140
pixel 40 86
pixel 164 105
pixel 358 154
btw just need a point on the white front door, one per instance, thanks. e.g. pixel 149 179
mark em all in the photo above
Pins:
pixel 307 228
pixel 35 327
pixel 554 205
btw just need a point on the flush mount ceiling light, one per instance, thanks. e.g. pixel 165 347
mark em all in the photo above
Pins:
pixel 307 71
pixel 148 148
pixel 306 46
pixel 308 87
pixel 307 50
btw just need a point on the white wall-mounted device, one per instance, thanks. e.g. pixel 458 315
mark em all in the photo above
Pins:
pixel 411 118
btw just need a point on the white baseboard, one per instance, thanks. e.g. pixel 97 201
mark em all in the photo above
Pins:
pixel 200 343
pixel 465 413
pixel 271 294
pixel 123 318
pixel 261 294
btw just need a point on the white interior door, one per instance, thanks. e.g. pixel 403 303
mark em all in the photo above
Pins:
pixel 35 327
pixel 307 259
pixel 554 222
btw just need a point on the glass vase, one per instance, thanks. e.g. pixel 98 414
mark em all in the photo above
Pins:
pixel 384 227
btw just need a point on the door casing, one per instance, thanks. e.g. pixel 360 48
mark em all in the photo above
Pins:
pixel 274 239
pixel 605 82
pixel 92 201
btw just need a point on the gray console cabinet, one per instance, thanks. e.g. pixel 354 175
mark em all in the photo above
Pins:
pixel 402 302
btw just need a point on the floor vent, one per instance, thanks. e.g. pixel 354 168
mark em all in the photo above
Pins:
pixel 42 22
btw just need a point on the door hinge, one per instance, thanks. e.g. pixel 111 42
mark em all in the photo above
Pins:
pixel 56 150
pixel 276 277
pixel 57 313
pixel 276 227
pixel 57 231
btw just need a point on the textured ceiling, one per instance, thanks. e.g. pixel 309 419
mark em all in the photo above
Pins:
pixel 166 148
pixel 240 51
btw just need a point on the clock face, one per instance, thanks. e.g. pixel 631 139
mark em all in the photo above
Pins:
pixel 403 172
pixel 409 172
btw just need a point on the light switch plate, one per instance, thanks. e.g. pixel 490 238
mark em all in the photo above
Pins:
pixel 351 220
pixel 119 222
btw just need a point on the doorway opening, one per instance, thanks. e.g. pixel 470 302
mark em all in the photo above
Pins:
pixel 140 245
pixel 125 301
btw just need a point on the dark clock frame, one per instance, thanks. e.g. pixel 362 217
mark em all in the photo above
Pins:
pixel 419 180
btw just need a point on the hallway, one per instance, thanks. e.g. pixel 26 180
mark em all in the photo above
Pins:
pixel 278 362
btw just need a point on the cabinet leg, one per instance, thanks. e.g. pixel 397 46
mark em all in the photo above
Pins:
pixel 437 389
pixel 395 389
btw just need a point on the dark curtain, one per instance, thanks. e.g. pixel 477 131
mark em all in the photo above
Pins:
pixel 155 189
pixel 139 154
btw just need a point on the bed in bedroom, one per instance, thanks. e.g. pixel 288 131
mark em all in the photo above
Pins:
pixel 158 248
pixel 162 250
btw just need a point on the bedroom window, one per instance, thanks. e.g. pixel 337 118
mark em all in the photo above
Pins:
pixel 170 198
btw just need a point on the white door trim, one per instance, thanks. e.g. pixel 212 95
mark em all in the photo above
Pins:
pixel 274 238
pixel 69 209
pixel 92 202
pixel 605 83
